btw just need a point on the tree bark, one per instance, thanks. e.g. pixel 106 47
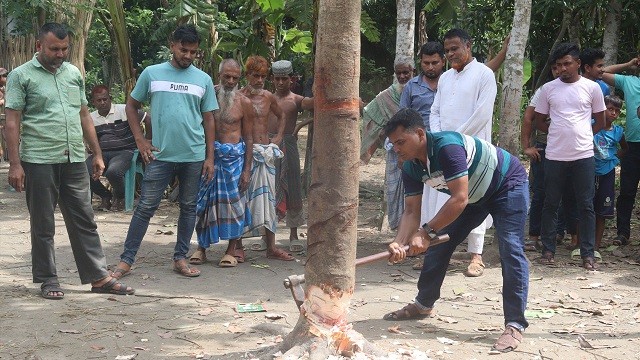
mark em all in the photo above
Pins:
pixel 405 30
pixel 123 46
pixel 79 19
pixel 509 134
pixel 333 195
pixel 610 35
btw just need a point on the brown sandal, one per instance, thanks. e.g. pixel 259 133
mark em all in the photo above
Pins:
pixel 509 340
pixel 547 258
pixel 409 312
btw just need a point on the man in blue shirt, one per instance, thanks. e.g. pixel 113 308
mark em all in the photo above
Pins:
pixel 182 101
pixel 592 67
pixel 481 179
pixel 420 91
pixel 630 163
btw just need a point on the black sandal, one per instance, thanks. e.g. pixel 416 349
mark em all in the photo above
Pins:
pixel 620 240
pixel 109 288
pixel 51 286
pixel 409 312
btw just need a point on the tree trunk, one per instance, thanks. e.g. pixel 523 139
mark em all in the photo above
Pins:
pixel 542 77
pixel 422 29
pixel 509 134
pixel 123 46
pixel 575 27
pixel 405 30
pixel 79 19
pixel 322 328
pixel 610 35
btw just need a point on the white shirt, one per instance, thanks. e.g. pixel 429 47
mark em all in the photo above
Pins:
pixel 464 101
pixel 570 107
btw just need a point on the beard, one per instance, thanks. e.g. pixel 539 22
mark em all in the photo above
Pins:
pixel 225 100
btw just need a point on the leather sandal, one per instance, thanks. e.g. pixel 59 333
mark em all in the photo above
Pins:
pixel 509 340
pixel 409 312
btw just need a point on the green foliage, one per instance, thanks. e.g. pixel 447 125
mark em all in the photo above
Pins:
pixel 368 27
pixel 373 79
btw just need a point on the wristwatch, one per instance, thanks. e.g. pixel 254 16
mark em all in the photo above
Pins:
pixel 429 230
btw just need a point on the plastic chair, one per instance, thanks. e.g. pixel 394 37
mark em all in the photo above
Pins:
pixel 130 181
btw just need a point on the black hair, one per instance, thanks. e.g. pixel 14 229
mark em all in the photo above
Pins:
pixel 58 30
pixel 589 56
pixel 99 89
pixel 186 34
pixel 431 48
pixel 457 33
pixel 564 49
pixel 613 100
pixel 407 118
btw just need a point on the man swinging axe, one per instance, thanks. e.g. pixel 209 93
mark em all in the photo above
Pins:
pixel 481 179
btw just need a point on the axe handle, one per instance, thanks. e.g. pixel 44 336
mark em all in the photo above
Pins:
pixel 385 254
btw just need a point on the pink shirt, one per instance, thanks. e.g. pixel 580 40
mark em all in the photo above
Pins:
pixel 570 107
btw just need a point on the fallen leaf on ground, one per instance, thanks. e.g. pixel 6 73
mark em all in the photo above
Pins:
pixel 97 347
pixel 274 316
pixel 235 329
pixel 592 286
pixel 447 341
pixel 448 320
pixel 459 291
pixel 205 312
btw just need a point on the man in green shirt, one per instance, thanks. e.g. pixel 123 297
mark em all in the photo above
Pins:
pixel 46 159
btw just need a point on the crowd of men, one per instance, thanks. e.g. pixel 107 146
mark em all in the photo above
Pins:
pixel 234 153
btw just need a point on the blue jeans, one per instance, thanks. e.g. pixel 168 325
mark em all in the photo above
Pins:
pixel 509 211
pixel 629 179
pixel 576 176
pixel 156 178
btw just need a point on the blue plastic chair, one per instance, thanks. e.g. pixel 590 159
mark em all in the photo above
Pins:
pixel 130 181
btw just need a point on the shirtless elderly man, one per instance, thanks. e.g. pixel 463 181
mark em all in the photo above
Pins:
pixel 261 202
pixel 221 208
pixel 289 184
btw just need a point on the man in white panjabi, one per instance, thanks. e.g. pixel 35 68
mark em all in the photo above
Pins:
pixel 463 103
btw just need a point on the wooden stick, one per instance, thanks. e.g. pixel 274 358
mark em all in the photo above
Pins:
pixel 385 254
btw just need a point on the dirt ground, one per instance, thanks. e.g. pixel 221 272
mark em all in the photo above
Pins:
pixel 178 318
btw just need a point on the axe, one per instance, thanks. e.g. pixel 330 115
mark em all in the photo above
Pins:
pixel 295 282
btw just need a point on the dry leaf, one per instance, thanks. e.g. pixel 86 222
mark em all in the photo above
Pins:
pixel 583 342
pixel 273 316
pixel 448 320
pixel 235 329
pixel 394 329
pixel 447 341
pixel 205 312
pixel 97 347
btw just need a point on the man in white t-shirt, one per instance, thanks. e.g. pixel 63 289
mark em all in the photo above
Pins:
pixel 571 101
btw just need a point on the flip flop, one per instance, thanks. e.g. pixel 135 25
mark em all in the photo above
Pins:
pixel 228 261
pixel 409 312
pixel 258 246
pixel 295 245
pixel 279 254
pixel 474 269
pixel 186 270
pixel 109 288
pixel 239 255
pixel 119 273
pixel 198 257
pixel 51 286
